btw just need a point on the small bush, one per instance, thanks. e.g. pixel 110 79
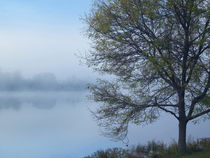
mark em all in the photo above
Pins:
pixel 205 143
pixel 156 146
pixel 172 148
pixel 193 146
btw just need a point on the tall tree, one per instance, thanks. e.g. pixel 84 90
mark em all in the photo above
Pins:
pixel 157 52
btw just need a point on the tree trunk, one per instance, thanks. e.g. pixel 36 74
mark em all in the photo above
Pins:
pixel 182 147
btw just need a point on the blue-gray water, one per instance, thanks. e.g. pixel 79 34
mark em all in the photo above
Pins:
pixel 59 125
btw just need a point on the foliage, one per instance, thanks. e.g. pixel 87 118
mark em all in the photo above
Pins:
pixel 158 53
pixel 109 153
pixel 196 149
pixel 205 144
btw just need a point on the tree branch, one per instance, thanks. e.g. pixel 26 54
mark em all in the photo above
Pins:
pixel 199 98
pixel 198 115
pixel 168 111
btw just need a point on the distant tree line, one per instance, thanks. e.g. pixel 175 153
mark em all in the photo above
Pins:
pixel 40 82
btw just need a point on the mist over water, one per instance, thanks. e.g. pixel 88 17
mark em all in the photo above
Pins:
pixel 39 82
pixel 58 124
pixel 43 124
pixel 39 100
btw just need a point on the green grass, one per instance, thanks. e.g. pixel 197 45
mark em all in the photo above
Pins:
pixel 205 154
pixel 195 149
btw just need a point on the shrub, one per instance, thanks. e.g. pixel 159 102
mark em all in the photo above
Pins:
pixel 204 143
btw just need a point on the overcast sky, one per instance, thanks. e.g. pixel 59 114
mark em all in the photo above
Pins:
pixel 39 36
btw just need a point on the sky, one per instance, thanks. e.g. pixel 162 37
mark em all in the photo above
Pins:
pixel 39 36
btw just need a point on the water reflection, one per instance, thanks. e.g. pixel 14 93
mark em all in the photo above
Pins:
pixel 10 103
pixel 39 100
pixel 44 103
pixel 59 125
pixel 45 125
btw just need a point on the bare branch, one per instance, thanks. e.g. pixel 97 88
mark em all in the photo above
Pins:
pixel 198 115
pixel 168 111
pixel 199 98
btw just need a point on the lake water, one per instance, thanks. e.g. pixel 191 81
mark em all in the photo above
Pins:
pixel 59 125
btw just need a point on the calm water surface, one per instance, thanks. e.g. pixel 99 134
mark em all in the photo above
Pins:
pixel 59 125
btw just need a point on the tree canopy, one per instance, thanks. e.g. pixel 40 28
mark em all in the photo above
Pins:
pixel 157 52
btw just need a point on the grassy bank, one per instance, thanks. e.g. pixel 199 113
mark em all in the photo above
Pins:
pixel 203 154
pixel 195 149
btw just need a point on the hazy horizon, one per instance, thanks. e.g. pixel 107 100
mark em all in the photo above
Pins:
pixel 40 82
